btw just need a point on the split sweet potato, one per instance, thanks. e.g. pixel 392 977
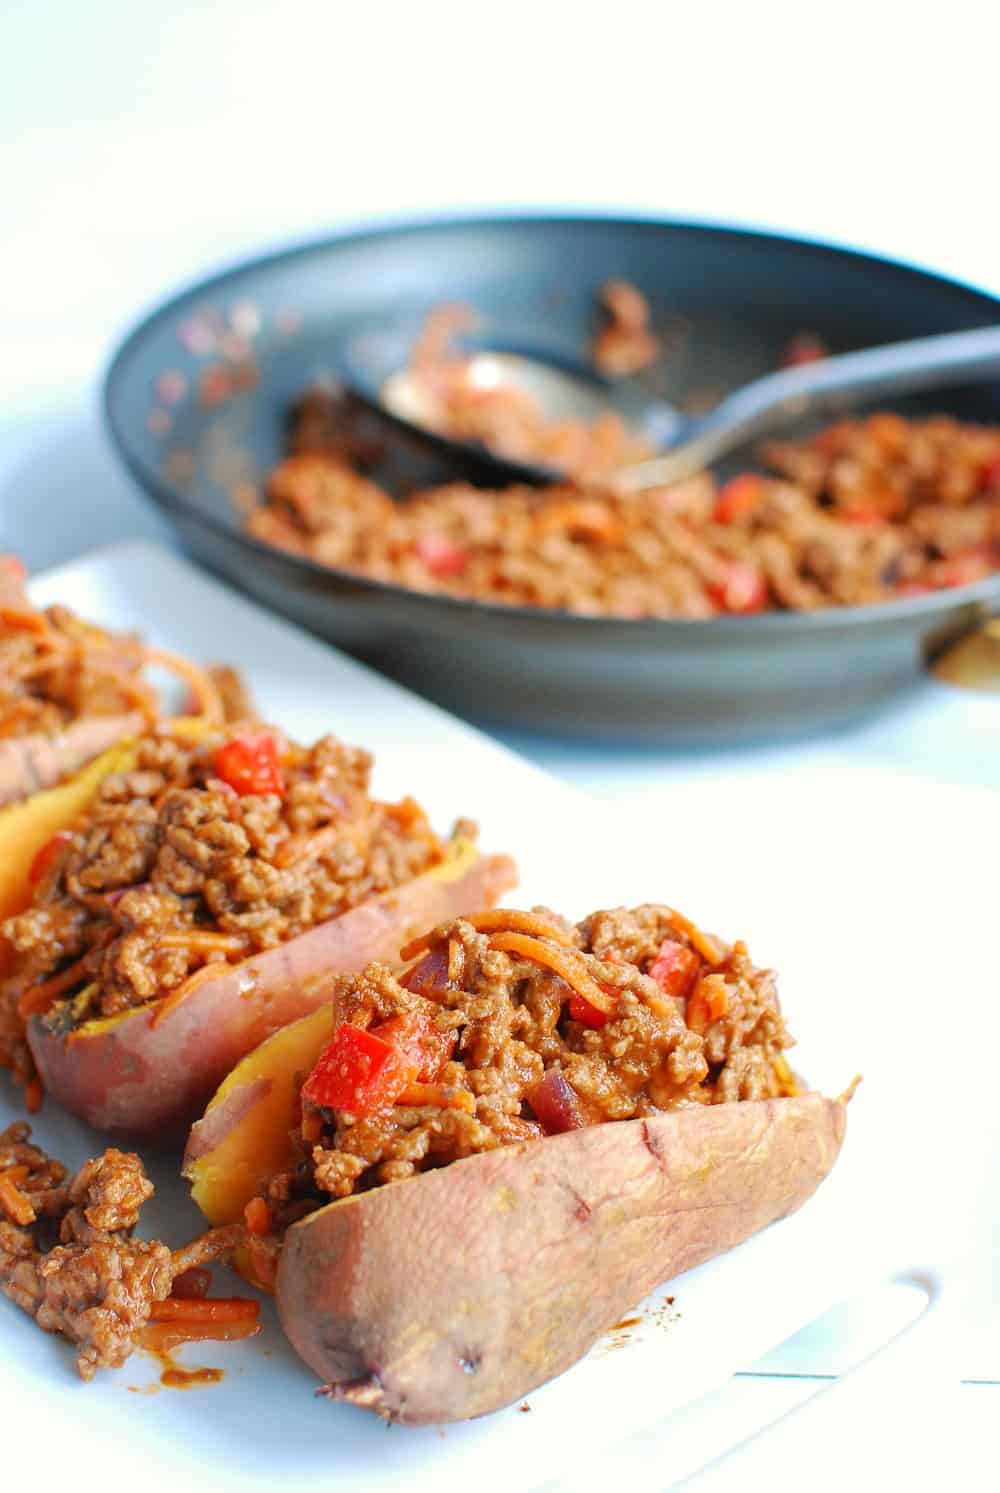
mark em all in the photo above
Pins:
pixel 149 1071
pixel 457 1292
pixel 488 1223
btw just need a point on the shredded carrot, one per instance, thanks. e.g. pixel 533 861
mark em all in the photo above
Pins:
pixel 563 962
pixel 33 1095
pixel 40 998
pixel 441 1095
pixel 495 920
pixel 306 847
pixel 258 1216
pixel 24 621
pixel 707 946
pixel 144 702
pixel 208 1309
pixel 198 941
pixel 709 1003
pixel 206 696
pixel 163 1337
pixel 588 519
pixel 169 1003
pixel 13 1201
pixel 510 920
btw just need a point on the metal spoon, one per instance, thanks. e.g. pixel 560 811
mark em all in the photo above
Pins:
pixel 755 410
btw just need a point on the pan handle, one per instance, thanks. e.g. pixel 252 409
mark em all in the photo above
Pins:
pixel 973 662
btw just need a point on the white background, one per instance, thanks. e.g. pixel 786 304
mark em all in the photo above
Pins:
pixel 142 143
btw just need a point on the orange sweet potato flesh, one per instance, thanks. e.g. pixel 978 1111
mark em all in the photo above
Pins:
pixel 459 1291
pixel 148 1073
pixel 26 827
pixel 34 762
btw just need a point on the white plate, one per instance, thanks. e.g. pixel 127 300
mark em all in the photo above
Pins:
pixel 853 961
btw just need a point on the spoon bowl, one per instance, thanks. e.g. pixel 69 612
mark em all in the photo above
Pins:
pixel 757 409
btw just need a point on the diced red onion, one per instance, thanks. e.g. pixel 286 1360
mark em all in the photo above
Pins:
pixel 429 976
pixel 555 1104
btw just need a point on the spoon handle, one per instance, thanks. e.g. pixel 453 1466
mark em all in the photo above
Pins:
pixel 768 402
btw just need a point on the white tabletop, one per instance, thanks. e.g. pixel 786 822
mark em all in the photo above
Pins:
pixel 139 147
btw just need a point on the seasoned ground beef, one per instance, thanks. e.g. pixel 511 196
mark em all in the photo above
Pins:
pixel 174 868
pixel 500 1008
pixel 866 511
pixel 624 343
pixel 96 1286
pixel 463 396
pixel 55 668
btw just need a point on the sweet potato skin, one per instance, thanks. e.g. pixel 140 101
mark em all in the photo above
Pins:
pixel 34 762
pixel 145 1075
pixel 453 1294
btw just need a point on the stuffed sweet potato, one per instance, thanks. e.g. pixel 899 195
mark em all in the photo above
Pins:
pixel 69 690
pixel 494 1155
pixel 209 892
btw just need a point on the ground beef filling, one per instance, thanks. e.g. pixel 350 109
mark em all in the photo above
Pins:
pixel 173 870
pixel 67 1256
pixel 866 511
pixel 55 668
pixel 523 1055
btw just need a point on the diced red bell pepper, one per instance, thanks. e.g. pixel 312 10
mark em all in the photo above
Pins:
pixel 741 589
pixel 442 558
pixel 708 1004
pixel 582 1011
pixel 989 477
pixel 675 968
pixel 423 1050
pixel 45 857
pixel 738 498
pixel 249 764
pixel 555 1103
pixel 357 1072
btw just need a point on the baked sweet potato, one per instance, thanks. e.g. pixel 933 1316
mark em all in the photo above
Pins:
pixel 460 1291
pixel 149 1071
pixel 524 1133
pixel 32 763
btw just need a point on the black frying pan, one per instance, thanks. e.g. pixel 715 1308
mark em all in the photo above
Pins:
pixel 732 301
